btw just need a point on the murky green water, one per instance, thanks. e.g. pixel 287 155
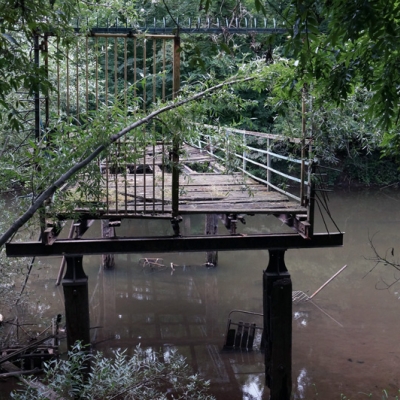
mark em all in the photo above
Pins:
pixel 345 343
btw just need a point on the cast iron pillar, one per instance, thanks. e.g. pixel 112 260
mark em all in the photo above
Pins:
pixel 277 303
pixel 76 296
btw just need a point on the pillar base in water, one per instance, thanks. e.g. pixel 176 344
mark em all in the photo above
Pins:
pixel 76 296
pixel 277 302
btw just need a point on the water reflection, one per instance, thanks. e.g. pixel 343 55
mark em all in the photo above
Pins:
pixel 253 389
pixel 302 383
pixel 188 310
pixel 300 317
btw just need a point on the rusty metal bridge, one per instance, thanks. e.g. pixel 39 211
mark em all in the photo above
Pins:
pixel 244 173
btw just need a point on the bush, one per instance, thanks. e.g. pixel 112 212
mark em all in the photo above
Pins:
pixel 145 375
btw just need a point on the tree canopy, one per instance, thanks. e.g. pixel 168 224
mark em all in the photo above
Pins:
pixel 342 53
pixel 341 44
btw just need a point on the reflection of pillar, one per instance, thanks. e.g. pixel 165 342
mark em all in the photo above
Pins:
pixel 129 291
pixel 187 225
pixel 211 296
pixel 76 295
pixel 100 301
pixel 211 229
pixel 107 231
pixel 277 302
pixel 109 309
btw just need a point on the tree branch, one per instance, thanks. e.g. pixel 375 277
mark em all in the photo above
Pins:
pixel 38 202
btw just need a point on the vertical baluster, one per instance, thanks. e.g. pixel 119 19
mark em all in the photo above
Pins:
pixel 269 159
pixel 134 137
pixel 125 137
pixel 77 80
pixel 153 125
pixel 118 144
pixel 106 100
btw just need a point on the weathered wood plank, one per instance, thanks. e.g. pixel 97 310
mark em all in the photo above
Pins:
pixel 223 207
pixel 151 193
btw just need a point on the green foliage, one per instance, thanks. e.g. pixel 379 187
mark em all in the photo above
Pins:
pixel 370 170
pixel 19 22
pixel 338 45
pixel 329 61
pixel 12 270
pixel 145 375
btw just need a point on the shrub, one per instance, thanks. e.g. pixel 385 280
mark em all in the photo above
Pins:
pixel 145 375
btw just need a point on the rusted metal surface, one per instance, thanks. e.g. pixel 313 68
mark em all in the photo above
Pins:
pixel 146 175
pixel 115 67
pixel 277 304
pixel 173 244
pixel 148 189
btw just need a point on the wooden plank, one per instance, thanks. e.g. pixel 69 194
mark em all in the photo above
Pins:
pixel 218 208
pixel 199 179
pixel 206 193
pixel 200 193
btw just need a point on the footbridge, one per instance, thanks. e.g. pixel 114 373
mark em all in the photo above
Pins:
pixel 225 174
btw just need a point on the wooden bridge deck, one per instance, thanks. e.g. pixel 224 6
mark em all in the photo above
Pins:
pixel 215 192
pixel 204 193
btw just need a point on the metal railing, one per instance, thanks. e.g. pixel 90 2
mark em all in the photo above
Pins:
pixel 248 155
pixel 188 25
pixel 99 69
pixel 95 73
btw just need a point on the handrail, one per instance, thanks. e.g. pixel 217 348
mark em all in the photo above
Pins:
pixel 205 143
pixel 258 134
pixel 277 155
pixel 269 184
pixel 270 169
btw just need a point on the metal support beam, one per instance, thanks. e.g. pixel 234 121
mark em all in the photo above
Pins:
pixel 297 222
pixel 277 303
pixel 76 296
pixel 172 244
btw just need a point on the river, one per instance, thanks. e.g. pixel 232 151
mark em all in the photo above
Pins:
pixel 345 343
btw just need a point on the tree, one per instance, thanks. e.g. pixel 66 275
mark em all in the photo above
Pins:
pixel 100 143
pixel 338 45
pixel 328 59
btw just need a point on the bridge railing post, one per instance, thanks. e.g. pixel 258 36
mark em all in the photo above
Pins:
pixel 269 162
pixel 244 153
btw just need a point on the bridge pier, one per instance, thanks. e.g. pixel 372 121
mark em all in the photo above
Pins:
pixel 76 297
pixel 277 304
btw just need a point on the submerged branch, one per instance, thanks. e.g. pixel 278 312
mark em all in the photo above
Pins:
pixel 379 259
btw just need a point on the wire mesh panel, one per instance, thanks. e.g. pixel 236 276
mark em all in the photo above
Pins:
pixel 103 83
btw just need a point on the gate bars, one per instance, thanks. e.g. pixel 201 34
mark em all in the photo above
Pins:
pixel 96 72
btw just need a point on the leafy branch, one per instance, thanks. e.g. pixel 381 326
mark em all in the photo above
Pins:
pixel 53 187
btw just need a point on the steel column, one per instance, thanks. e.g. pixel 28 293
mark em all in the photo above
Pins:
pixel 76 296
pixel 277 303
